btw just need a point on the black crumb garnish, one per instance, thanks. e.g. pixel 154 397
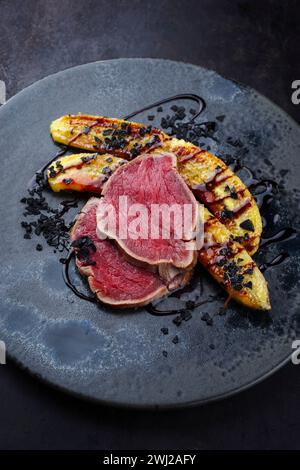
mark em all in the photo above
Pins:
pixel 247 225
pixel 106 170
pixel 44 220
pixel 160 109
pixel 221 262
pixel 193 132
pixel 177 320
pixel 134 152
pixel 107 132
pixel 142 131
pixel 175 340
pixel 226 251
pixel 99 141
pixel 151 117
pixel 185 315
pixel 233 194
pixel 207 318
pixel 109 160
pixel 212 346
pixel 249 270
pixel 190 304
pixel 86 130
pixel 227 214
pixel 234 142
pixel 238 238
pixel 88 158
pixel 233 275
pixel 68 180
pixel 220 118
pixel 222 311
pixel 165 331
pixel 84 246
pixel 248 285
pixel 39 247
pixel 165 353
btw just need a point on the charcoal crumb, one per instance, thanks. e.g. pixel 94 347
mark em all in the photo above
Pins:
pixel 212 346
pixel 39 247
pixel 220 118
pixel 151 117
pixel 177 320
pixel 248 284
pixel 160 109
pixel 249 270
pixel 207 318
pixel 247 225
pixel 175 340
pixel 165 331
pixel 67 180
pixel 222 311
pixel 165 353
pixel 227 214
pixel 190 304
pixel 86 130
pixel 186 316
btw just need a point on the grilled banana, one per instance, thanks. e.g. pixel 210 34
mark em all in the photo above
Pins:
pixel 212 181
pixel 82 172
pixel 232 266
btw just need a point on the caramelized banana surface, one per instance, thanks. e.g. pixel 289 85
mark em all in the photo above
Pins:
pixel 232 266
pixel 82 172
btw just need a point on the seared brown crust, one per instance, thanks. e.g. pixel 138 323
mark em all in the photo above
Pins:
pixel 211 180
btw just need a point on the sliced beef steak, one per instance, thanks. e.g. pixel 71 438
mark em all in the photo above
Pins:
pixel 151 213
pixel 111 276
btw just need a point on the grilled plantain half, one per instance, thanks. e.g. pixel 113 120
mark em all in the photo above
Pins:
pixel 232 266
pixel 209 177
pixel 82 172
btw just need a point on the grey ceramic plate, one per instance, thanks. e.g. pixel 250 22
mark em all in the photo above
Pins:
pixel 117 357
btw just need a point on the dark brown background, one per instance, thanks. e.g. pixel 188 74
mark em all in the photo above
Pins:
pixel 251 41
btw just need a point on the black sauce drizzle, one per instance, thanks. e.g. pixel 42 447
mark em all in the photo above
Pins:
pixel 190 305
pixel 274 262
pixel 184 96
pixel 68 281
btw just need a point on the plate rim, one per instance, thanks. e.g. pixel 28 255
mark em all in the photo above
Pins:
pixel 118 403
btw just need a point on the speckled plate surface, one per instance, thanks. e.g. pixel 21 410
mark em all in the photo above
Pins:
pixel 117 357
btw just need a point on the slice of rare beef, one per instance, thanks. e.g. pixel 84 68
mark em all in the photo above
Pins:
pixel 110 274
pixel 151 213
